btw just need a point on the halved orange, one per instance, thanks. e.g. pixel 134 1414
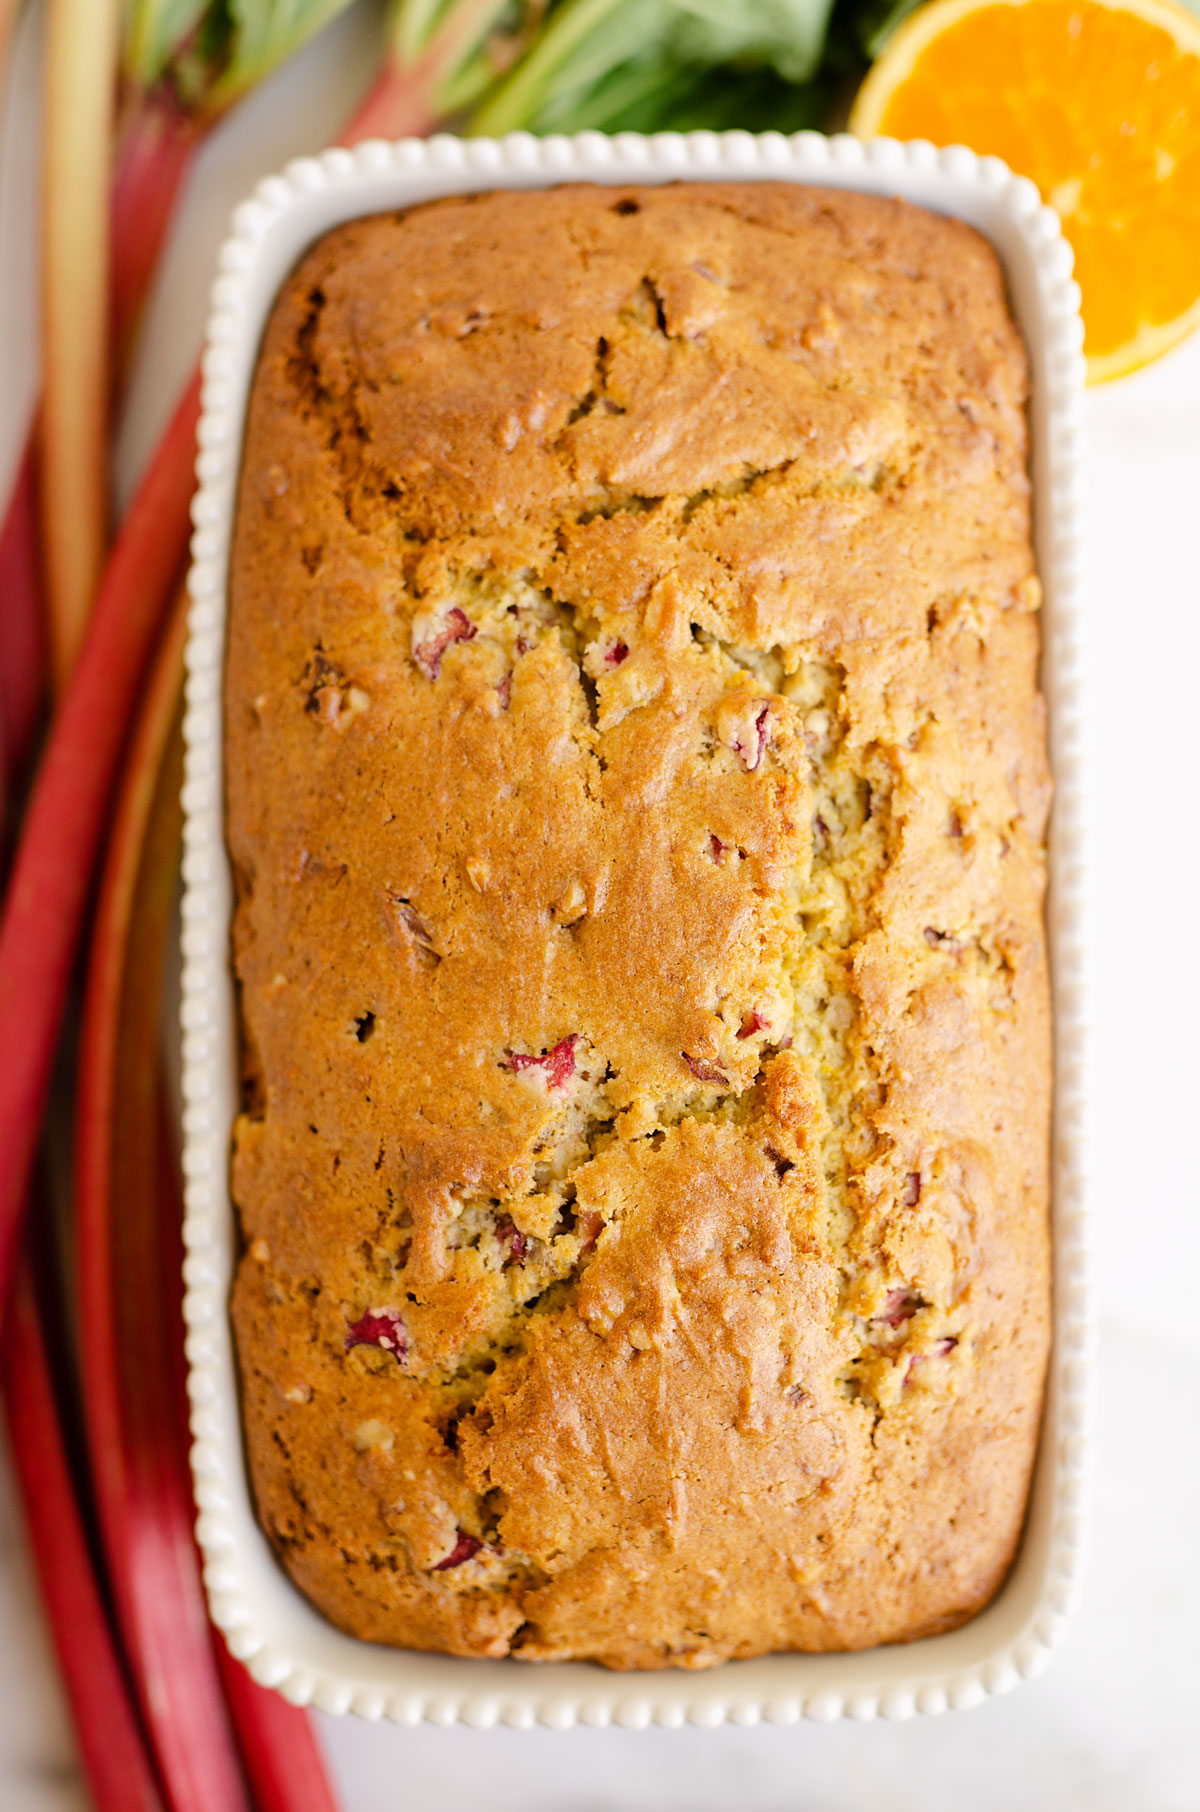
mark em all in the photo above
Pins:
pixel 1100 104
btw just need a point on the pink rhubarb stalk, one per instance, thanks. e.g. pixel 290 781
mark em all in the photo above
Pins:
pixel 280 1752
pixel 128 1320
pixel 408 98
pixel 22 621
pixel 111 1744
pixel 207 1719
pixel 48 891
pixel 157 143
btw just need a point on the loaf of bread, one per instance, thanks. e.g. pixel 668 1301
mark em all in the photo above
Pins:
pixel 636 790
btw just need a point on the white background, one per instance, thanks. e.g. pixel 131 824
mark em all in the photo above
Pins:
pixel 1113 1725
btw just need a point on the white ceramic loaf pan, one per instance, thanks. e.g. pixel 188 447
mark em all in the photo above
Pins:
pixel 266 1621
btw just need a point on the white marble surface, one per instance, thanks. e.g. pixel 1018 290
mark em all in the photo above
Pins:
pixel 1112 1726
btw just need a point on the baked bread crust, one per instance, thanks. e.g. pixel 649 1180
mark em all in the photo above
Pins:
pixel 637 793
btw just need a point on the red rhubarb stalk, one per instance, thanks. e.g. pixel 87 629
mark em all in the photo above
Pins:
pixel 81 61
pixel 396 107
pixel 280 1752
pixel 158 140
pixel 128 1323
pixel 22 631
pixel 111 1744
pixel 47 896
pixel 197 1698
pixel 421 82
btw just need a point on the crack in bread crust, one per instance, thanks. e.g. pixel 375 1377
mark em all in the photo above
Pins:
pixel 636 796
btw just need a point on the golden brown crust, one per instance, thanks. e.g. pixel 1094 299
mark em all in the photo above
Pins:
pixel 637 790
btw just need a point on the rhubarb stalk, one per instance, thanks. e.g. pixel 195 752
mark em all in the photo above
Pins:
pixel 441 57
pixel 186 64
pixel 22 631
pixel 197 1699
pixel 111 1744
pixel 128 1322
pixel 279 1748
pixel 48 890
pixel 157 142
pixel 565 36
pixel 81 61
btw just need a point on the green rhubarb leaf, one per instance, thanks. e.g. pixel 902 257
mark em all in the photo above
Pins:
pixel 158 31
pixel 584 43
pixel 654 94
pixel 451 52
pixel 787 35
pixel 211 52
pixel 412 24
pixel 264 34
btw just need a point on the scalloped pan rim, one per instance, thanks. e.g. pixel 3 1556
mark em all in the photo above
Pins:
pixel 267 1623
